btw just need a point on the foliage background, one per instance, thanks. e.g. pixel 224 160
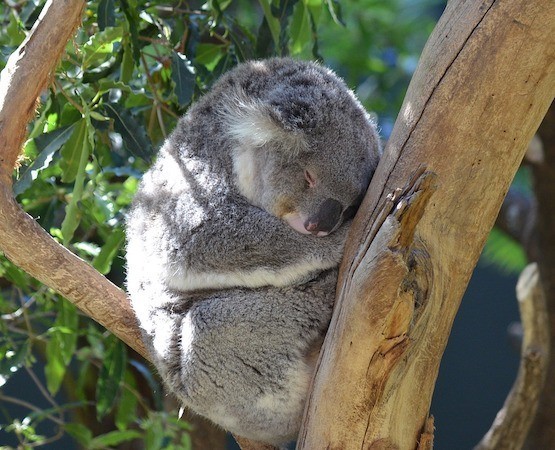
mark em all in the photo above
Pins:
pixel 132 69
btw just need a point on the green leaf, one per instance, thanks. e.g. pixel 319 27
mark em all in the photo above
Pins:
pixel 106 84
pixel 300 28
pixel 103 262
pixel 55 368
pixel 80 433
pixel 47 144
pixel 334 8
pixel 100 46
pixel 73 151
pixel 130 9
pixel 127 405
pixel 154 439
pixel 504 252
pixel 127 64
pixel 61 345
pixel 131 130
pixel 113 438
pixel 209 55
pixel 67 321
pixel 106 14
pixel 110 377
pixel 273 22
pixel 86 138
pixel 183 75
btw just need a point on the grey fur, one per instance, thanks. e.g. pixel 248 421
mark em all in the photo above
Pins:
pixel 232 300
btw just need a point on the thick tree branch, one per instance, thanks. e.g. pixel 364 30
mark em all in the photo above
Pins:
pixel 510 428
pixel 468 116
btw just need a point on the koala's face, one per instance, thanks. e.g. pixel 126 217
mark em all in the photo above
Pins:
pixel 315 187
pixel 304 149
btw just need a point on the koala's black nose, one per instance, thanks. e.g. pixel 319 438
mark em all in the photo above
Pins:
pixel 327 217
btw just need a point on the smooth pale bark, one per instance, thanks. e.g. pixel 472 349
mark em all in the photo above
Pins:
pixel 484 82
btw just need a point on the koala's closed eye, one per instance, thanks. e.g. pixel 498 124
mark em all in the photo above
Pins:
pixel 310 178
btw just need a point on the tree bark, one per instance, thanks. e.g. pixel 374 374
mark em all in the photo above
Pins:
pixel 484 82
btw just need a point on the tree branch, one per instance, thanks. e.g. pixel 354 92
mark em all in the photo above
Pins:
pixel 510 428
pixel 468 116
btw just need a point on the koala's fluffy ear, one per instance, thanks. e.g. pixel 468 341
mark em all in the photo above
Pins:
pixel 252 123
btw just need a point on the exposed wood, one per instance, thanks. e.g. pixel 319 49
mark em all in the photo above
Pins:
pixel 484 82
pixel 511 425
pixel 426 441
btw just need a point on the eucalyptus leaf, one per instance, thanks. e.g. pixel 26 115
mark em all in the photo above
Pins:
pixel 183 75
pixel 131 130
pixel 209 55
pixel 47 144
pixel 55 367
pixel 71 220
pixel 126 412
pixel 106 14
pixel 113 438
pixel 80 432
pixel 110 377
pixel 103 262
pixel 72 151
pixel 300 28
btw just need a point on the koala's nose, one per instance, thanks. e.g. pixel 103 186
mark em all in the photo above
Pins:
pixel 326 219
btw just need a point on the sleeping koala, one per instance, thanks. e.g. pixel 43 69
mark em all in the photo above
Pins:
pixel 235 236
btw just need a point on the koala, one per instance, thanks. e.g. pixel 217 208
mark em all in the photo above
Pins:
pixel 234 239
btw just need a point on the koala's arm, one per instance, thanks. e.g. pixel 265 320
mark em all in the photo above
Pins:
pixel 248 247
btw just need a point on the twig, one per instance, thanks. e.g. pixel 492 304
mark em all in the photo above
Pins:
pixel 17 401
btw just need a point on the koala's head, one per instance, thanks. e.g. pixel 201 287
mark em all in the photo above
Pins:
pixel 305 150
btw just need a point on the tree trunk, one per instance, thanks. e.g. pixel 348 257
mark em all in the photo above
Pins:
pixel 484 82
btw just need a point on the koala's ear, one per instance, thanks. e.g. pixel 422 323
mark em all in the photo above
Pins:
pixel 254 123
